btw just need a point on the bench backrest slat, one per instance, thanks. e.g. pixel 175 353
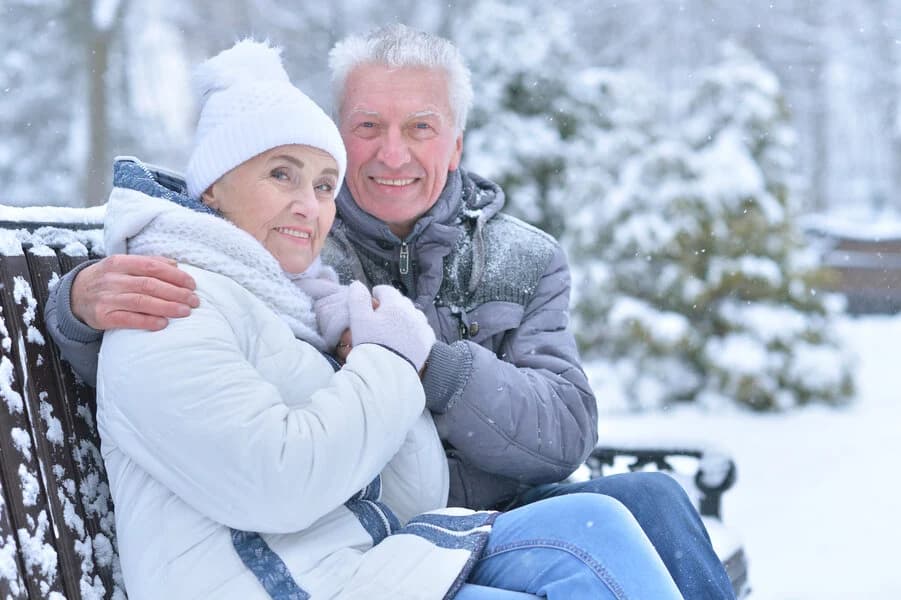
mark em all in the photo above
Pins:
pixel 82 484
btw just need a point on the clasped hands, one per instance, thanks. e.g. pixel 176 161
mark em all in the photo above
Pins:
pixel 384 317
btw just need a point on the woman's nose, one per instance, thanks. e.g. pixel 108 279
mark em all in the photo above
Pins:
pixel 305 203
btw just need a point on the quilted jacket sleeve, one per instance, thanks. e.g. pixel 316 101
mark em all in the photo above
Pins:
pixel 78 343
pixel 416 480
pixel 526 412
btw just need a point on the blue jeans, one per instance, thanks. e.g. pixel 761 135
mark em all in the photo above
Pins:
pixel 669 519
pixel 568 548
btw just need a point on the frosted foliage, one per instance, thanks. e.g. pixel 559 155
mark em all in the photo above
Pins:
pixel 690 278
pixel 817 367
pixel 501 39
pixel 667 329
pixel 531 128
pixel 738 354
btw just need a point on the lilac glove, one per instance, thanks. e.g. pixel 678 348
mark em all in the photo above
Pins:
pixel 330 305
pixel 396 324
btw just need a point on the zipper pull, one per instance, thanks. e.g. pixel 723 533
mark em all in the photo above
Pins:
pixel 404 258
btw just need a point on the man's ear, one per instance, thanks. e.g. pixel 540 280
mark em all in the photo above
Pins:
pixel 458 153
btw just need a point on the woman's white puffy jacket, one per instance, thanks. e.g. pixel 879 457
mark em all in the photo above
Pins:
pixel 225 421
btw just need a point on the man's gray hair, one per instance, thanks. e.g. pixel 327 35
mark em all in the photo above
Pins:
pixel 398 46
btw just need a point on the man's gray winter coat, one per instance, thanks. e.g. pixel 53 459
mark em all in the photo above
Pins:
pixel 509 398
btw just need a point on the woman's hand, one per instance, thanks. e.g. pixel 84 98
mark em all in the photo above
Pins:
pixel 330 305
pixel 346 343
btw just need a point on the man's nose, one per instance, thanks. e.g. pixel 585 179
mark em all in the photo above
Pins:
pixel 394 152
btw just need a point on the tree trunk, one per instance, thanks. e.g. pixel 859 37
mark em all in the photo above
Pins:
pixel 97 161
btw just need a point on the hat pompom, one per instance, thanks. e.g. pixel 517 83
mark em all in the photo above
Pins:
pixel 248 106
pixel 246 61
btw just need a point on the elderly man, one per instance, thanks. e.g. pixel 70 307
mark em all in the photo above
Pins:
pixel 503 381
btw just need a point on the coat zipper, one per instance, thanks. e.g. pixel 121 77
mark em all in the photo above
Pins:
pixel 404 258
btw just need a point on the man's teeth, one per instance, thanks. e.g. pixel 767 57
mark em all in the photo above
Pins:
pixel 395 182
pixel 293 232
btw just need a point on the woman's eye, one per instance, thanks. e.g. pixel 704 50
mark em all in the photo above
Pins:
pixel 325 187
pixel 281 174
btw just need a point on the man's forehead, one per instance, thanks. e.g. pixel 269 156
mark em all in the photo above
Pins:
pixel 373 83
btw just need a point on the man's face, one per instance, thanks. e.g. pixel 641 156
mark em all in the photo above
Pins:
pixel 401 141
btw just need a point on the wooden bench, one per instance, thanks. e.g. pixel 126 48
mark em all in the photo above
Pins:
pixel 57 530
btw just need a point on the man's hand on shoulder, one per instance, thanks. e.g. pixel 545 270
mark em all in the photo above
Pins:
pixel 132 292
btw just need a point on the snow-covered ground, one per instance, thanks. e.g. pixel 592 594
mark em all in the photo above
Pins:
pixel 818 497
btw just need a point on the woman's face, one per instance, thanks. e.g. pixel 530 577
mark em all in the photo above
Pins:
pixel 285 198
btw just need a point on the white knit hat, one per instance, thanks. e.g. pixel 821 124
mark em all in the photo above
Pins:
pixel 249 107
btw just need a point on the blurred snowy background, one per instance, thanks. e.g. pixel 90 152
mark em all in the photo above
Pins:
pixel 722 173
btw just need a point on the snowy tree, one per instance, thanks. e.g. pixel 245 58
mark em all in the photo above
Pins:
pixel 525 118
pixel 707 290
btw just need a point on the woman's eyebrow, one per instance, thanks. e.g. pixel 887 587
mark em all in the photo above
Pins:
pixel 288 158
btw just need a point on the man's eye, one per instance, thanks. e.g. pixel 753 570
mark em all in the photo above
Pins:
pixel 367 124
pixel 423 126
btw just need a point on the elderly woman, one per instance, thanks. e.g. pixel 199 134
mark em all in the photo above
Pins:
pixel 241 462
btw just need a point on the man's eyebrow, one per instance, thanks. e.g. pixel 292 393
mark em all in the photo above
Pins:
pixel 360 111
pixel 426 113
